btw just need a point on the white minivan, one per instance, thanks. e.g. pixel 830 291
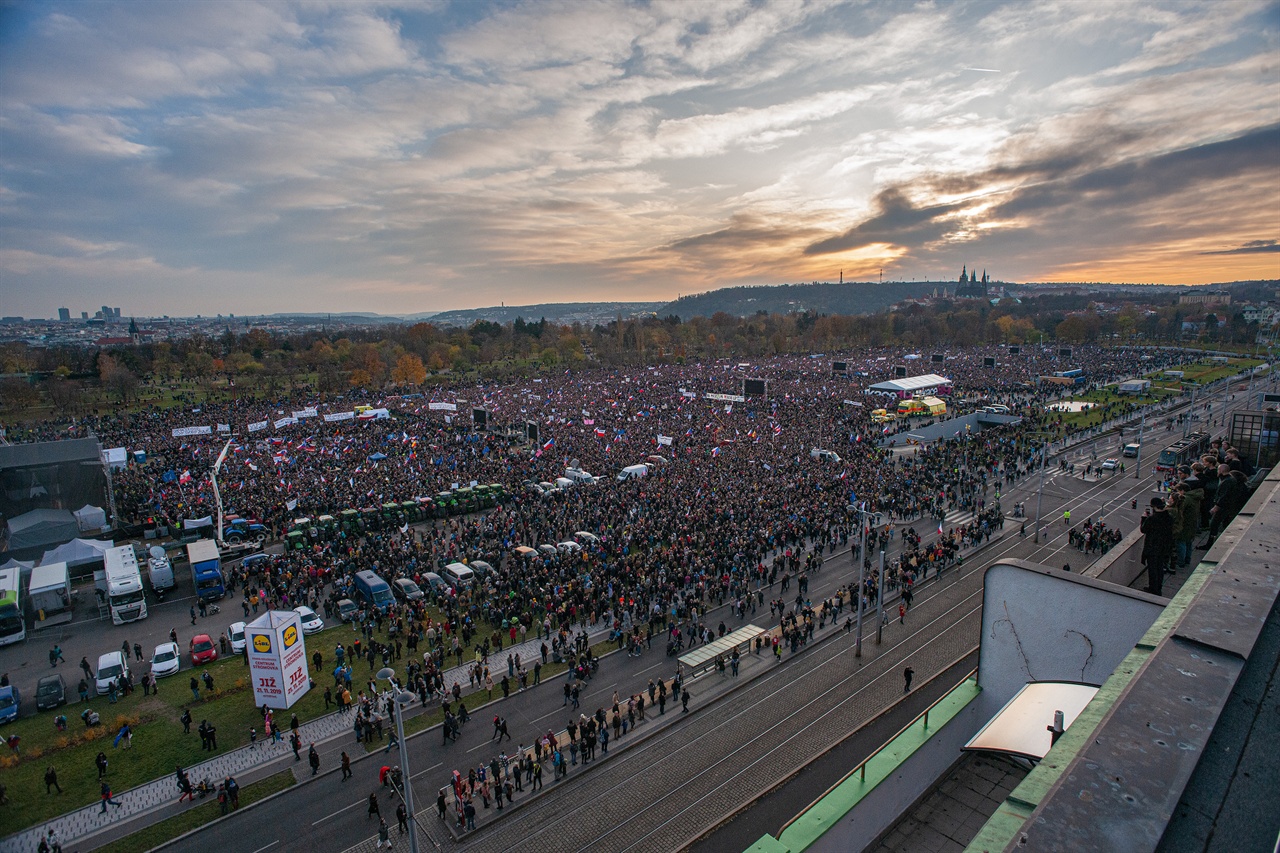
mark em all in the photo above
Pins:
pixel 458 576
pixel 111 667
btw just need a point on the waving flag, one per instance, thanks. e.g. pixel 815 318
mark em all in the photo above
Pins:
pixel 940 527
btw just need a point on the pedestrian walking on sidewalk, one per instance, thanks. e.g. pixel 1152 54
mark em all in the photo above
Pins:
pixel 384 835
pixel 402 817
pixel 907 675
pixel 313 758
pixel 106 798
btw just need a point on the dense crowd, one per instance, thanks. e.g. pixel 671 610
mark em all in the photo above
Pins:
pixel 735 499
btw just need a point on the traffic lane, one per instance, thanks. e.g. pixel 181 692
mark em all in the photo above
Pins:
pixel 771 812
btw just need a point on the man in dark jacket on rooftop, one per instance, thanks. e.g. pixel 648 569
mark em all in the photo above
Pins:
pixel 1157 548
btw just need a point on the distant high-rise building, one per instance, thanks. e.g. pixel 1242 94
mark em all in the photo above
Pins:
pixel 84 315
pixel 115 312
pixel 64 315
pixel 105 313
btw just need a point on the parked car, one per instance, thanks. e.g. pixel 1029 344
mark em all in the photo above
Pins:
pixel 236 634
pixel 311 621
pixel 347 610
pixel 434 582
pixel 167 660
pixel 405 589
pixel 111 666
pixel 51 691
pixel 203 650
pixel 9 702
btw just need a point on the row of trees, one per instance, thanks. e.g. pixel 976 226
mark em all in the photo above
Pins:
pixel 267 362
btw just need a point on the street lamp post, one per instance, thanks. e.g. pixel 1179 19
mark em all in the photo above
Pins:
pixel 880 603
pixel 1044 455
pixel 401 698
pixel 862 568
pixel 1137 465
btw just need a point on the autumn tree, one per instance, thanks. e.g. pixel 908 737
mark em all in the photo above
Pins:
pixel 408 370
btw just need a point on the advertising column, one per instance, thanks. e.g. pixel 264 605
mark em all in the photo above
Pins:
pixel 277 659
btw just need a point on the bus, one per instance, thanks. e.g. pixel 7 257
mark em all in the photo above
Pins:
pixel 1184 451
pixel 13 628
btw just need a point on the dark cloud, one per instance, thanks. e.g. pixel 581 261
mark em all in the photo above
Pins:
pixel 1136 181
pixel 741 235
pixel 1250 248
pixel 899 222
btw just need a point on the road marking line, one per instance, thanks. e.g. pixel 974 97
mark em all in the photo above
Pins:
pixel 269 846
pixel 326 817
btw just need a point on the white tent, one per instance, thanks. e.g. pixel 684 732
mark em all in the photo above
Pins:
pixel 24 566
pixel 77 552
pixel 90 518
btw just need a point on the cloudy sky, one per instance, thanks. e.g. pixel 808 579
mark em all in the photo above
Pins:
pixel 201 157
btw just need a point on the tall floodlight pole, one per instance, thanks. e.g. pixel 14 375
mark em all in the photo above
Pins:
pixel 213 478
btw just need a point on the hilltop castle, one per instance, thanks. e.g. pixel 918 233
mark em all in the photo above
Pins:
pixel 971 285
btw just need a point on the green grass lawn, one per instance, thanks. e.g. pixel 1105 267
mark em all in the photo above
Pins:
pixel 158 742
pixel 198 815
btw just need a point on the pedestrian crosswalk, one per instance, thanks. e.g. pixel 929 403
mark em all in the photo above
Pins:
pixel 958 518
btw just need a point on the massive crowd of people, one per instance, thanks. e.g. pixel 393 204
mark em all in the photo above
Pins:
pixel 734 497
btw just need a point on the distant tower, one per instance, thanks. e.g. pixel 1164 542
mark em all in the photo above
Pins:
pixel 64 315
pixel 964 274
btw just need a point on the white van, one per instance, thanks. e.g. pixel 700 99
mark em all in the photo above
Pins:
pixel 111 667
pixel 458 576
pixel 579 476
pixel 824 455
pixel 632 472
pixel 565 483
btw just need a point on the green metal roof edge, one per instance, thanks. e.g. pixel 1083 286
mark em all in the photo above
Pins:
pixel 1002 827
pixel 768 844
pixel 822 815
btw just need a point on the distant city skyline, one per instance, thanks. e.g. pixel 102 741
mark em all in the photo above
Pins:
pixel 246 158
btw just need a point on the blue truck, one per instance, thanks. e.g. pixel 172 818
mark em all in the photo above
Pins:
pixel 206 569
